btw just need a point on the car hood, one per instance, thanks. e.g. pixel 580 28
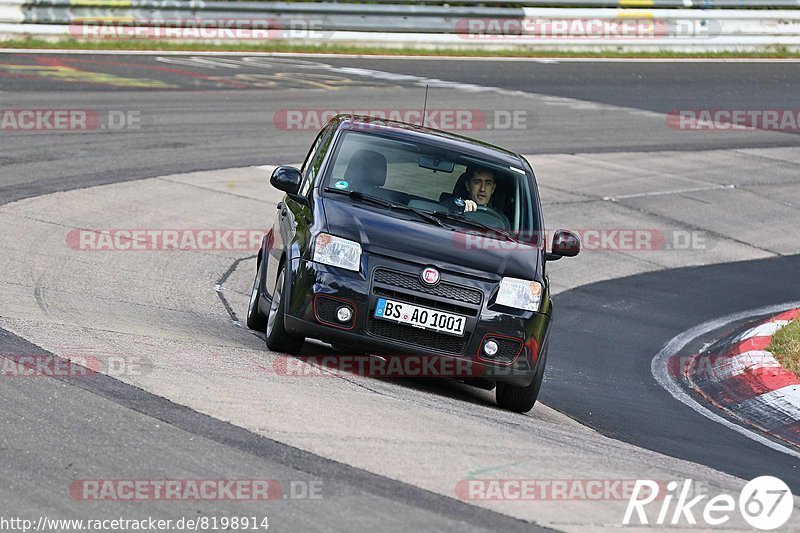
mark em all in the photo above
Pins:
pixel 401 235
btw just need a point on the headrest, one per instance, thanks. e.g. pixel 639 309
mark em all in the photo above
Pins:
pixel 366 167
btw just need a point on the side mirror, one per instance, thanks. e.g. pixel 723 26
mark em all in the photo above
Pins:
pixel 286 179
pixel 565 244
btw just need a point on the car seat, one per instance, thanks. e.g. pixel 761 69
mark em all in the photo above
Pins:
pixel 366 168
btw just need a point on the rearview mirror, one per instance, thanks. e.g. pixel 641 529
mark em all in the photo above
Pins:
pixel 565 244
pixel 286 179
pixel 436 164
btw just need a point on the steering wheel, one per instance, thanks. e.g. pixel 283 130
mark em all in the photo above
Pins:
pixel 495 214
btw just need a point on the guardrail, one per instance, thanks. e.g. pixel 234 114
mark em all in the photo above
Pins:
pixel 699 4
pixel 324 6
pixel 405 25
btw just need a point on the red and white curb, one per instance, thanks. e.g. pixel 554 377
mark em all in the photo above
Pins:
pixel 746 381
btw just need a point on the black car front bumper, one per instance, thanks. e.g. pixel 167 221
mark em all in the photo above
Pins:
pixel 316 291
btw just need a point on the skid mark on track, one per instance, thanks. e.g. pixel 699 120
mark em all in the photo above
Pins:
pixel 218 288
pixel 38 294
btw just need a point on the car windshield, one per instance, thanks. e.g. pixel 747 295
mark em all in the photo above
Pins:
pixel 429 178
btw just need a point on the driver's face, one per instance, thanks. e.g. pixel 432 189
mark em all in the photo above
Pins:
pixel 481 187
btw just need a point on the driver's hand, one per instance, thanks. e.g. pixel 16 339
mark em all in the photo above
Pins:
pixel 470 205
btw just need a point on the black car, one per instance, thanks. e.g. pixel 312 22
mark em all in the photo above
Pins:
pixel 398 239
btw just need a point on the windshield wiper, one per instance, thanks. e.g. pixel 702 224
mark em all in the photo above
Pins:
pixel 461 218
pixel 361 197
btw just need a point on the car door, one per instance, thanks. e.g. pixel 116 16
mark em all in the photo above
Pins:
pixel 295 217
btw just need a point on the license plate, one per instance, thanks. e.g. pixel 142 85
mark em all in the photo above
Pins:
pixel 420 317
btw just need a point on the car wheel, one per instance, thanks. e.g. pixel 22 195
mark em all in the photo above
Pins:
pixel 255 318
pixel 521 399
pixel 278 339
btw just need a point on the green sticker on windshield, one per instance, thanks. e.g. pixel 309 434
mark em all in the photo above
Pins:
pixel 341 184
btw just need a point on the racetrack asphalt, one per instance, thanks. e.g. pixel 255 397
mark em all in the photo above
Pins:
pixel 600 324
pixel 201 115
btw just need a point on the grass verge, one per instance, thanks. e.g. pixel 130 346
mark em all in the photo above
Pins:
pixel 282 46
pixel 785 346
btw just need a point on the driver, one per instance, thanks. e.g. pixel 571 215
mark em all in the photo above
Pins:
pixel 480 186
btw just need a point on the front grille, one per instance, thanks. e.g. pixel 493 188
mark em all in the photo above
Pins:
pixel 407 287
pixel 443 289
pixel 425 302
pixel 418 337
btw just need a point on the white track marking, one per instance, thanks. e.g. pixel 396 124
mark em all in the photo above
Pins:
pixel 783 403
pixel 763 330
pixel 662 193
pixel 792 394
pixel 543 99
pixel 727 367
pixel 658 367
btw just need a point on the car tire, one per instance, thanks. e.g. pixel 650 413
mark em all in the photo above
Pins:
pixel 521 399
pixel 255 318
pixel 278 339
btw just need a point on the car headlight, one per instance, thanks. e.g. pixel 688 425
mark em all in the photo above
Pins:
pixel 520 294
pixel 338 252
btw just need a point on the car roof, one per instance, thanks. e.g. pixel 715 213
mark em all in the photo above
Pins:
pixel 415 132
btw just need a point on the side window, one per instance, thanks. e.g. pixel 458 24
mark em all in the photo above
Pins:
pixel 312 152
pixel 314 158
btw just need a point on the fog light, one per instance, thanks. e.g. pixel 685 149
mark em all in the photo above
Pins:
pixel 344 314
pixel 490 348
